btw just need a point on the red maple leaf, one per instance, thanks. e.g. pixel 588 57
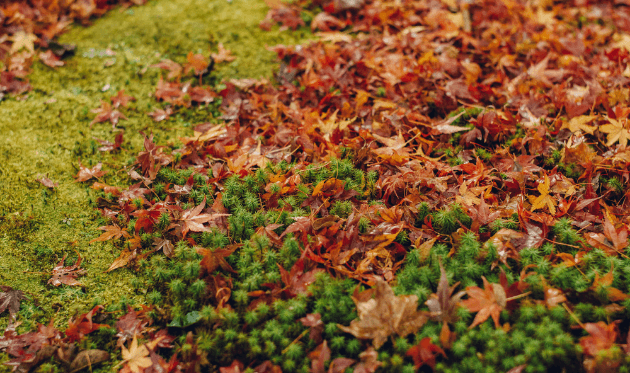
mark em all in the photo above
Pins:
pixel 297 281
pixel 82 325
pixel 425 353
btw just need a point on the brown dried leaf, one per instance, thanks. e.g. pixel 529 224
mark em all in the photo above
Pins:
pixel 386 314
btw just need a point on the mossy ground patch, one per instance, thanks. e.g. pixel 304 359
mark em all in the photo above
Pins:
pixel 49 133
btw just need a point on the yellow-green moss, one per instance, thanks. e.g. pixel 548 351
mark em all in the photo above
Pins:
pixel 49 132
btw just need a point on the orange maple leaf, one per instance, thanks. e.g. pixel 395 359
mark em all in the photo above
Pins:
pixel 111 232
pixel 489 301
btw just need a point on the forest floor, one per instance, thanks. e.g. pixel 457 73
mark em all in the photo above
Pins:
pixel 317 187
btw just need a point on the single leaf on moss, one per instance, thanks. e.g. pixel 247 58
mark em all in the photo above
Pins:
pixel 602 337
pixel 489 301
pixel 425 353
pixel 386 314
pixel 553 296
pixel 88 173
pixel 443 304
pixel 10 299
pixel 193 219
pixel 67 275
pixel 111 232
pixel 215 259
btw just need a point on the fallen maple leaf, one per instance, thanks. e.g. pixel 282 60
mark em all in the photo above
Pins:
pixel 489 301
pixel 121 99
pixel 601 338
pixel 215 259
pixel 67 275
pixel 425 353
pixel 197 62
pixel 193 219
pixel 174 69
pixel 319 357
pixel 553 296
pixel 369 361
pixel 580 123
pixel 386 314
pixel 49 59
pixel 88 173
pixel 107 113
pixel 223 55
pixel 45 181
pixel 443 304
pixel 618 236
pixel 159 115
pixel 544 199
pixel 136 357
pixel 111 232
pixel 82 325
pixel 10 299
pixel 616 132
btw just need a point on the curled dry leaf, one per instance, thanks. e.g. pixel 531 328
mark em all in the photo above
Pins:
pixel 67 275
pixel 386 314
pixel 45 181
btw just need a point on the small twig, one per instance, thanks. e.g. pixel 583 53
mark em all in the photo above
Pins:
pixel 572 315
pixel 523 295
pixel 295 341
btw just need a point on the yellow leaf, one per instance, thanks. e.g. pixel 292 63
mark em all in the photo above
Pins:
pixel 328 127
pixel 616 132
pixel 21 40
pixel 580 123
pixel 136 357
pixel 544 199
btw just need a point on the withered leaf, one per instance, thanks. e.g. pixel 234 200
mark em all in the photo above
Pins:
pixel 67 275
pixel 443 304
pixel 386 314
pixel 111 232
pixel 88 173
pixel 10 299
pixel 193 219
pixel 88 359
pixel 45 181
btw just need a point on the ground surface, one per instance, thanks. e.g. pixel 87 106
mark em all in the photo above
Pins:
pixel 430 186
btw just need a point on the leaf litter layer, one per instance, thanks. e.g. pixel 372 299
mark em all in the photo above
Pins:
pixel 411 153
